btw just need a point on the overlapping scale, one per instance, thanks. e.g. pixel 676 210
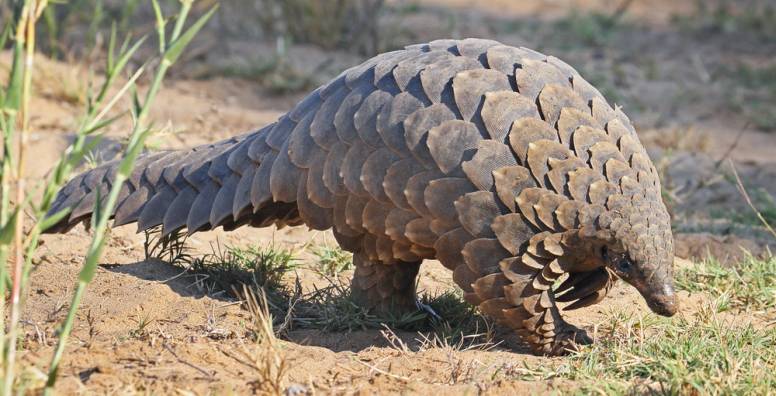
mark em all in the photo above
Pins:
pixel 539 153
pixel 489 157
pixel 476 211
pixel 510 181
pixel 534 75
pixel 502 108
pixel 525 131
pixel 470 86
pixel 452 142
pixel 554 98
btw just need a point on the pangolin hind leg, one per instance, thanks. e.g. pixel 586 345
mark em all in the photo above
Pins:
pixel 387 289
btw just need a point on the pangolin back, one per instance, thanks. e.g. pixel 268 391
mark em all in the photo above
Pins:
pixel 490 158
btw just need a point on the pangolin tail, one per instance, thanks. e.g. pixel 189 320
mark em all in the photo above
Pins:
pixel 219 184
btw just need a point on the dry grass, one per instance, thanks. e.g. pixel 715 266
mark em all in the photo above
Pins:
pixel 270 366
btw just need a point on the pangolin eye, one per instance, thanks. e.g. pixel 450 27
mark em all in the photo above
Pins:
pixel 624 265
pixel 605 253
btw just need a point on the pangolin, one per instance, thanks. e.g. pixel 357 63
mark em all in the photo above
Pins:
pixel 500 162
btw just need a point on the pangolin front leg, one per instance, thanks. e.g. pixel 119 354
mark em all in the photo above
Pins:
pixel 501 162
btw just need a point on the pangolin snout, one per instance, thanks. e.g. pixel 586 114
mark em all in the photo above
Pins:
pixel 664 303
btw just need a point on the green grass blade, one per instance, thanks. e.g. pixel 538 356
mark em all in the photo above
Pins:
pixel 160 23
pixel 50 221
pixel 9 228
pixel 111 47
pixel 4 36
pixel 14 91
pixel 177 46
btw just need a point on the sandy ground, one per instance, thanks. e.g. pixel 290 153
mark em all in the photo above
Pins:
pixel 200 343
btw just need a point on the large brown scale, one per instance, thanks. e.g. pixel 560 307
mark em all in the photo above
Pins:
pixel 500 162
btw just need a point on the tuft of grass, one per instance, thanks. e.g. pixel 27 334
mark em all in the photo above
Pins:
pixel 76 27
pixel 749 89
pixel 699 354
pixel 456 322
pixel 332 308
pixel 459 323
pixel 646 354
pixel 141 327
pixel 749 285
pixel 593 29
pixel 333 260
pixel 261 268
pixel 171 248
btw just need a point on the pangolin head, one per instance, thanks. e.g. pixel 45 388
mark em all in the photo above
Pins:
pixel 641 253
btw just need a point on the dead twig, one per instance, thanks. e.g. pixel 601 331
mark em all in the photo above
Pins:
pixel 192 365
pixel 733 146
pixel 373 369
pixel 396 342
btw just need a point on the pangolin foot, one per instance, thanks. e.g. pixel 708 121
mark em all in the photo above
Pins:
pixel 570 340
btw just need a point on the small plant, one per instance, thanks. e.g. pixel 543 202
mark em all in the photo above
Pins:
pixel 753 93
pixel 277 75
pixel 591 28
pixel 333 260
pixel 170 248
pixel 140 330
pixel 765 204
pixel 256 267
pixel 75 26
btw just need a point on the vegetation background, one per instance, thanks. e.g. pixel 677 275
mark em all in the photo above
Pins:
pixel 268 311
